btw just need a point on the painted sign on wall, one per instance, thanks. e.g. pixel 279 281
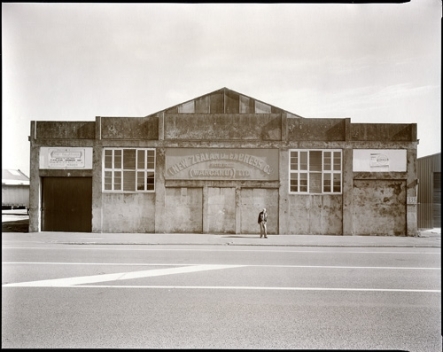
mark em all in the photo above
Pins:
pixel 379 160
pixel 221 164
pixel 65 158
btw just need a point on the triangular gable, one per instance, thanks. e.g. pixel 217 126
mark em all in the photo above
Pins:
pixel 224 101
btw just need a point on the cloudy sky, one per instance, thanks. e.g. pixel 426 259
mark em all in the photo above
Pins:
pixel 374 63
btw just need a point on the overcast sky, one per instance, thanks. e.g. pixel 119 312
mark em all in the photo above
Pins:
pixel 373 63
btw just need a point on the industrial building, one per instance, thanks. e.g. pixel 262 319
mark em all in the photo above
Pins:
pixel 429 191
pixel 210 164
pixel 15 189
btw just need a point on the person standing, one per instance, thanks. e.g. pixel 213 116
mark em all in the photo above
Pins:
pixel 262 220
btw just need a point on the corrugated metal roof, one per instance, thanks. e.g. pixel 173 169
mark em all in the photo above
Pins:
pixel 14 177
pixel 438 155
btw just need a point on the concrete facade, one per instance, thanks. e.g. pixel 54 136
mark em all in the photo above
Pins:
pixel 215 161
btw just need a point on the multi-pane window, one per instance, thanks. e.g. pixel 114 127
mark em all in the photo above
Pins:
pixel 315 171
pixel 128 170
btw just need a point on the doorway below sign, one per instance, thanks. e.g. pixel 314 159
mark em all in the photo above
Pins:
pixel 67 204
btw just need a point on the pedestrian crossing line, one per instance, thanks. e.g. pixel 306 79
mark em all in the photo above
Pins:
pixel 81 280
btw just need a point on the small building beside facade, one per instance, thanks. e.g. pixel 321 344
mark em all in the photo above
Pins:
pixel 15 189
pixel 210 164
pixel 429 191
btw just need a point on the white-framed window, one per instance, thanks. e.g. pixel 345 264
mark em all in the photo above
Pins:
pixel 315 171
pixel 128 170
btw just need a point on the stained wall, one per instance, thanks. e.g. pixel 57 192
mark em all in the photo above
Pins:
pixel 229 121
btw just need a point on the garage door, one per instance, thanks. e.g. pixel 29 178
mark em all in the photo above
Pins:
pixel 221 210
pixel 379 207
pixel 67 204
pixel 184 208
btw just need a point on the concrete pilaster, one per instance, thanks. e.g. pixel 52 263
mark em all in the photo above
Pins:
pixel 348 187
pixel 160 191
pixel 34 186
pixel 205 207
pixel 283 201
pixel 411 193
pixel 97 186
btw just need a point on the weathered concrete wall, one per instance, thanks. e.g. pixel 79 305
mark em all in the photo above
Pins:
pixel 34 182
pixel 183 210
pixel 283 191
pixel 138 128
pixel 223 127
pixel 347 190
pixel 252 202
pixel 55 134
pixel 379 207
pixel 227 206
pixel 411 193
pixel 161 216
pixel 128 212
pixel 97 194
pixel 383 132
pixel 316 129
pixel 64 130
pixel 219 209
pixel 405 222
pixel 315 215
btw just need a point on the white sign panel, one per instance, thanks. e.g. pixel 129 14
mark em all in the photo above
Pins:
pixel 379 160
pixel 65 158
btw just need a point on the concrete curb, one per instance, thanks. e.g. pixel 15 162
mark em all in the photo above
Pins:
pixel 430 240
pixel 249 244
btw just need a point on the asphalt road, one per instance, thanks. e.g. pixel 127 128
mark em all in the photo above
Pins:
pixel 128 296
pixel 15 220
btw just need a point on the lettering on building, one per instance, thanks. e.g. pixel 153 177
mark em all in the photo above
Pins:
pixel 222 165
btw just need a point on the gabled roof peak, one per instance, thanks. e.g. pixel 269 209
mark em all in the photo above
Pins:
pixel 224 101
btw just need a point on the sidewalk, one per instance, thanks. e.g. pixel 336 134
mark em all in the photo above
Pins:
pixel 429 238
pixel 426 238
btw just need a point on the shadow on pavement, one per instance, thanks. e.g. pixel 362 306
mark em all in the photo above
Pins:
pixel 16 226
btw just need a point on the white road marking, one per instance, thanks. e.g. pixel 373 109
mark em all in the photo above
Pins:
pixel 72 281
pixel 236 265
pixel 248 288
pixel 225 249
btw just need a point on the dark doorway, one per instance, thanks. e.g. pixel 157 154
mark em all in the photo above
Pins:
pixel 67 204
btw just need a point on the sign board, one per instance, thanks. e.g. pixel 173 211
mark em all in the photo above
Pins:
pixel 379 160
pixel 65 158
pixel 221 164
